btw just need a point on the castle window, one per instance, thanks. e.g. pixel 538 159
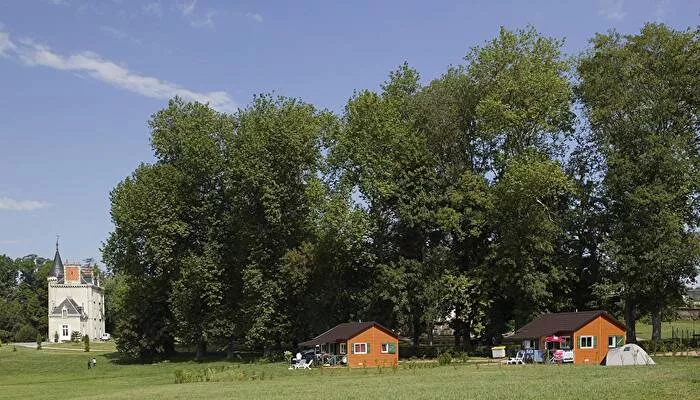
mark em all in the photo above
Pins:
pixel 65 330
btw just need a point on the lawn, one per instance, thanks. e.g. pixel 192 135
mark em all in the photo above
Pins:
pixel 80 346
pixel 644 330
pixel 55 374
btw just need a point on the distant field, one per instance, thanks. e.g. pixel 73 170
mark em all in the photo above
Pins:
pixel 644 330
pixel 28 373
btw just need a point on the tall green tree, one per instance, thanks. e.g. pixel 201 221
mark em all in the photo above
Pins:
pixel 641 100
pixel 273 179
pixel 518 90
pixel 165 218
pixel 527 220
pixel 382 153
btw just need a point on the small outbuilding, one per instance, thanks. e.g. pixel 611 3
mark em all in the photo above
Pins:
pixel 357 344
pixel 585 335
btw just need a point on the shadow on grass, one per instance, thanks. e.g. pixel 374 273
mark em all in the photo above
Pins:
pixel 183 357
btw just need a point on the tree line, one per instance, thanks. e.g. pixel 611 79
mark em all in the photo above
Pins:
pixel 23 298
pixel 522 181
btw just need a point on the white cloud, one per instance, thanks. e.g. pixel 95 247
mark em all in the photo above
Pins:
pixel 255 17
pixel 187 8
pixel 207 21
pixel 59 2
pixel 119 34
pixel 197 19
pixel 94 66
pixel 7 203
pixel 5 44
pixel 153 8
pixel 612 9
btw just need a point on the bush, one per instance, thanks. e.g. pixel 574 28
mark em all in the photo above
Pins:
pixel 218 374
pixel 445 358
pixel 76 336
pixel 26 333
pixel 86 340
pixel 38 341
pixel 55 337
pixel 5 336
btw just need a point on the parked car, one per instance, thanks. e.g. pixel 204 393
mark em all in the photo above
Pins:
pixel 105 337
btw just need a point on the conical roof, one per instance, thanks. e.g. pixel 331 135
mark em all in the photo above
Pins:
pixel 57 269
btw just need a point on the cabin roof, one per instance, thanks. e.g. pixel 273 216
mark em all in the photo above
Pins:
pixel 549 324
pixel 345 331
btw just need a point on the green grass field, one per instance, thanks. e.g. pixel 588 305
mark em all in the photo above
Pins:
pixel 644 330
pixel 63 374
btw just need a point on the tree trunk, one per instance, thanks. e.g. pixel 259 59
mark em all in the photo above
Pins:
pixel 416 333
pixel 656 326
pixel 458 337
pixel 229 349
pixel 467 337
pixel 201 350
pixel 631 321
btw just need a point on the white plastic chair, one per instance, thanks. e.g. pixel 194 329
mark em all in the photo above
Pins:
pixel 518 359
pixel 303 364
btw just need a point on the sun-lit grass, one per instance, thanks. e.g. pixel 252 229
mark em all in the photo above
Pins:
pixel 94 346
pixel 28 373
pixel 644 330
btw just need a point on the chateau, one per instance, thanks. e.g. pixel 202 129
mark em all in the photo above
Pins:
pixel 76 301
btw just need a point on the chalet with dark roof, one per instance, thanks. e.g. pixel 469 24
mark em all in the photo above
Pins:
pixel 357 344
pixel 588 333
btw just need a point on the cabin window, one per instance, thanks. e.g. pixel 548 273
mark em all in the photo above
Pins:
pixel 343 350
pixel 567 343
pixel 586 342
pixel 389 348
pixel 615 341
pixel 360 348
pixel 64 330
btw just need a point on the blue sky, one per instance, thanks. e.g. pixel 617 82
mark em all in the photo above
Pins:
pixel 79 79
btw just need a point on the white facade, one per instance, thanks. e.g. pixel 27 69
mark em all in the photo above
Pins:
pixel 76 302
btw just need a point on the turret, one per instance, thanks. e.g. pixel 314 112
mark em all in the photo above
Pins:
pixel 56 273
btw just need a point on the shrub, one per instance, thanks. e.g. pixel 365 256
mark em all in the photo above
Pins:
pixel 5 336
pixel 445 358
pixel 86 340
pixel 218 374
pixel 38 341
pixel 76 336
pixel 26 333
pixel 55 337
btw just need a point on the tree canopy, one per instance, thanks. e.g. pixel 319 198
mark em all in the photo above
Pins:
pixel 520 182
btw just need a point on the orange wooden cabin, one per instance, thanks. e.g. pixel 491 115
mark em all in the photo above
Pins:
pixel 588 333
pixel 359 344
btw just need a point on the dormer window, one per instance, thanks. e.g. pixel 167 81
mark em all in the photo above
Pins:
pixel 64 312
